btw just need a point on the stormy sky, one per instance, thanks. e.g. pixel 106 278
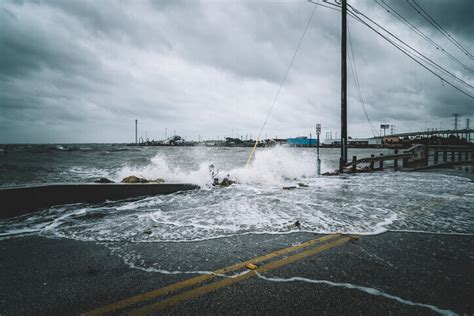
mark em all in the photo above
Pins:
pixel 83 71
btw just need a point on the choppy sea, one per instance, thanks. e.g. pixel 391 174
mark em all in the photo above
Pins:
pixel 440 201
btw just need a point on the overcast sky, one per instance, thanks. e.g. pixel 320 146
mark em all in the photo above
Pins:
pixel 83 71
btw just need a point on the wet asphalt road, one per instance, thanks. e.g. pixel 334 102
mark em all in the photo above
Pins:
pixel 419 274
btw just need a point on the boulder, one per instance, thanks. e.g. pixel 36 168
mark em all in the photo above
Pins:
pixel 134 179
pixel 158 180
pixel 103 180
pixel 226 182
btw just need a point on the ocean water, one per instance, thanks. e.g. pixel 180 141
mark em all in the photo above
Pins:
pixel 435 202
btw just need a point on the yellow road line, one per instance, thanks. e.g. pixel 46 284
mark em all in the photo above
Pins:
pixel 228 281
pixel 189 282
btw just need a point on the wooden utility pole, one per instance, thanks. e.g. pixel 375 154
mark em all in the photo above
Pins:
pixel 343 159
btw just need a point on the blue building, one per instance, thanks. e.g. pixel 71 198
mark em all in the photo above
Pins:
pixel 302 141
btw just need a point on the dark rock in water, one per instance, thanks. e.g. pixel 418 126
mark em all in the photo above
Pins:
pixel 148 232
pixel 335 173
pixel 103 180
pixel 289 188
pixel 296 224
pixel 133 179
pixel 226 182
pixel 303 185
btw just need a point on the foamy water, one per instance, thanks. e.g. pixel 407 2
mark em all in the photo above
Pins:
pixel 257 204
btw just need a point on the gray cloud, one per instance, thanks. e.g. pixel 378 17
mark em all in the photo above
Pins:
pixel 82 71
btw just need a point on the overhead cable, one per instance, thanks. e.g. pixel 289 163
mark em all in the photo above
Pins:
pixel 415 29
pixel 406 52
pixel 443 31
pixel 355 76
pixel 397 44
pixel 282 83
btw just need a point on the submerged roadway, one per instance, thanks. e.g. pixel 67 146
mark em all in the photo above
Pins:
pixel 401 273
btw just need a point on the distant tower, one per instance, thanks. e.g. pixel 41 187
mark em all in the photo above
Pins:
pixel 467 123
pixel 392 129
pixel 456 116
pixel 136 131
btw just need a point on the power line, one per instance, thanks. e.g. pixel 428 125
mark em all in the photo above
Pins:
pixel 428 60
pixel 353 64
pixel 282 82
pixel 404 50
pixel 433 22
pixel 415 29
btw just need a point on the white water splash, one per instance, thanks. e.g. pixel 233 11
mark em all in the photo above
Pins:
pixel 273 166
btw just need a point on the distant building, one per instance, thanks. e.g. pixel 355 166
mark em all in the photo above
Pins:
pixel 302 141
pixel 375 141
pixel 391 140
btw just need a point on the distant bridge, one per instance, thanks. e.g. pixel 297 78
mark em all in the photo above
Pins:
pixel 446 132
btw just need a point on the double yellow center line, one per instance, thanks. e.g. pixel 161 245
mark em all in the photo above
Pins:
pixel 160 305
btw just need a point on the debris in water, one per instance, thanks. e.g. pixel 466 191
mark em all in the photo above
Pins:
pixel 251 266
pixel 289 188
pixel 296 224
pixel 302 185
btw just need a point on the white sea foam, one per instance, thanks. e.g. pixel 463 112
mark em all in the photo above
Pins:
pixel 367 290
pixel 360 204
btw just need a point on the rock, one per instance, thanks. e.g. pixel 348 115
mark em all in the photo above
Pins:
pixel 296 224
pixel 289 188
pixel 226 182
pixel 303 185
pixel 335 173
pixel 133 179
pixel 158 180
pixel 103 180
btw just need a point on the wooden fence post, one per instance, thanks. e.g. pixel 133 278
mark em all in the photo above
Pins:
pixel 395 162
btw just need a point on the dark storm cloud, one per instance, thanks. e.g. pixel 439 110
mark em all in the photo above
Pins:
pixel 211 68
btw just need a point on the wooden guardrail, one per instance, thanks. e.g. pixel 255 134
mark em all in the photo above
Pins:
pixel 415 158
